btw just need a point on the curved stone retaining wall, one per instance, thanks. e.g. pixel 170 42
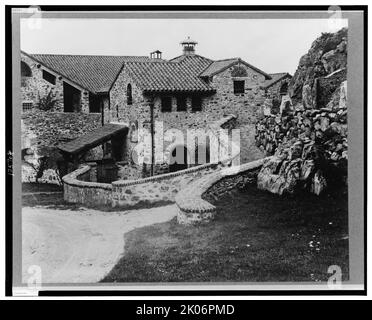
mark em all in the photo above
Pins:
pixel 192 208
pixel 75 190
pixel 79 188
pixel 157 188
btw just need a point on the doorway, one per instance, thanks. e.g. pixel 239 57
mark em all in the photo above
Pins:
pixel 71 98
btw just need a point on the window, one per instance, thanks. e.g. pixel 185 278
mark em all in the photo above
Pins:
pixel 196 104
pixel 27 106
pixel 25 70
pixel 239 86
pixel 181 104
pixel 49 77
pixel 166 104
pixel 95 103
pixel 129 94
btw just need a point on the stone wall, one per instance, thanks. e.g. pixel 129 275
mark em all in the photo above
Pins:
pixel 35 87
pixel 78 187
pixel 310 146
pixel 41 133
pixel 192 201
pixel 309 136
pixel 75 190
pixel 214 107
pixel 157 188
pixel 273 91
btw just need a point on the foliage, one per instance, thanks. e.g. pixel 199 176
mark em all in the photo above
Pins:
pixel 47 102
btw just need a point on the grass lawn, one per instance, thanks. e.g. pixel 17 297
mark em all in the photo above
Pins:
pixel 256 236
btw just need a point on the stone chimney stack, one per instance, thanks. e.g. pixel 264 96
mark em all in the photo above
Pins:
pixel 188 46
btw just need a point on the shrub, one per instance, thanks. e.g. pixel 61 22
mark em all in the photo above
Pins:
pixel 47 102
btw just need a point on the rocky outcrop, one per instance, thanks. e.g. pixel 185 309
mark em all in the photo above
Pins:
pixel 308 137
pixel 327 54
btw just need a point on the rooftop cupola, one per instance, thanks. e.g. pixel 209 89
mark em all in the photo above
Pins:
pixel 155 54
pixel 188 46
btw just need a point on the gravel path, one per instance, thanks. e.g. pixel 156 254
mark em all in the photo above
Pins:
pixel 79 246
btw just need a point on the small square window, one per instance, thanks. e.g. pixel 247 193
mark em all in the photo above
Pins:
pixel 166 104
pixel 239 87
pixel 49 77
pixel 27 106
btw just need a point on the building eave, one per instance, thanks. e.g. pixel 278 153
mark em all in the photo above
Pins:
pixel 71 82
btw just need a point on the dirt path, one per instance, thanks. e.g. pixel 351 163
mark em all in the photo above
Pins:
pixel 79 246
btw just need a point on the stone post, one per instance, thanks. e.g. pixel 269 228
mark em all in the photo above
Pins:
pixel 93 171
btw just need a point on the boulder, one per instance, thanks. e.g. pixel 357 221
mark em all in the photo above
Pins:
pixel 327 54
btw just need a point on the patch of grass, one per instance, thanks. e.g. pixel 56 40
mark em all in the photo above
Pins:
pixel 256 236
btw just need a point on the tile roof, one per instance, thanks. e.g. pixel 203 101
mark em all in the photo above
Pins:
pixel 98 73
pixel 92 139
pixel 94 73
pixel 275 77
pixel 220 65
pixel 179 74
pixel 217 66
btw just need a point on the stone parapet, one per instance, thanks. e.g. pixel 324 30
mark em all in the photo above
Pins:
pixel 192 208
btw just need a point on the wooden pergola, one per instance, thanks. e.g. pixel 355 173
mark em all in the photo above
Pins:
pixel 74 151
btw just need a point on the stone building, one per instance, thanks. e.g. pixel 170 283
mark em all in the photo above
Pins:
pixel 187 92
pixel 276 92
pixel 76 83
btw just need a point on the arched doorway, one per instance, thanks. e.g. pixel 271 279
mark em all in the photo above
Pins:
pixel 178 159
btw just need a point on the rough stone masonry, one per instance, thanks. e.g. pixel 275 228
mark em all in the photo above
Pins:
pixel 308 137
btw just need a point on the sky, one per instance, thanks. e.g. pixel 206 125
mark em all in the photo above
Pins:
pixel 273 45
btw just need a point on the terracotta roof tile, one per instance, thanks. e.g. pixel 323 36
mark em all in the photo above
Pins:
pixel 220 65
pixel 275 77
pixel 98 73
pixel 180 74
pixel 94 73
pixel 217 66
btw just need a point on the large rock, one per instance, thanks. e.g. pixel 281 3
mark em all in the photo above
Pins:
pixel 295 166
pixel 308 138
pixel 327 54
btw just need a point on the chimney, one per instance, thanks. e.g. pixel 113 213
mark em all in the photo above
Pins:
pixel 155 54
pixel 188 46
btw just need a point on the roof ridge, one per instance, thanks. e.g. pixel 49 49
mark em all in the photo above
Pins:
pixel 279 73
pixel 152 61
pixel 188 55
pixel 81 55
pixel 227 59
